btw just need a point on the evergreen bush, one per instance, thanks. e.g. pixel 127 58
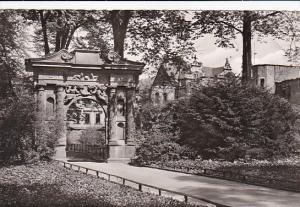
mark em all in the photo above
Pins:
pixel 230 120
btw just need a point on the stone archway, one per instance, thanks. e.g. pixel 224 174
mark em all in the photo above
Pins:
pixel 86 128
pixel 63 78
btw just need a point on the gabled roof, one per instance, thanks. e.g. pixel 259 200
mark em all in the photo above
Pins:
pixel 212 72
pixel 163 78
pixel 84 58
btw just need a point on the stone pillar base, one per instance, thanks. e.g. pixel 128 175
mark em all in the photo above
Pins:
pixel 120 154
pixel 116 142
pixel 60 152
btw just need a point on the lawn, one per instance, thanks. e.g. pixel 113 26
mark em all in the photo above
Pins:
pixel 48 184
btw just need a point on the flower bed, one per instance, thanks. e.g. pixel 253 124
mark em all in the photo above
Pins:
pixel 281 174
pixel 47 184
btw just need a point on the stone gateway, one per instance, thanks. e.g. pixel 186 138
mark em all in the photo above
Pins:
pixel 81 89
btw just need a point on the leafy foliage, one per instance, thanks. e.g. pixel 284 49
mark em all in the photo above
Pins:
pixel 157 140
pixel 160 146
pixel 150 35
pixel 22 139
pixel 16 130
pixel 230 120
pixel 92 136
pixel 57 27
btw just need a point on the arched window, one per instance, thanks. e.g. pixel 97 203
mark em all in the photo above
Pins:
pixel 121 107
pixel 50 107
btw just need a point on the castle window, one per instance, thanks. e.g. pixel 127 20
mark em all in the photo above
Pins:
pixel 50 107
pixel 262 82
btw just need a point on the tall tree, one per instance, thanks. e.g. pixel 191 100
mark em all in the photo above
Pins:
pixel 225 25
pixel 150 34
pixel 57 27
pixel 119 20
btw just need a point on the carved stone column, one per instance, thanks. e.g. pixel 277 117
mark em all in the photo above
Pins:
pixel 112 116
pixel 60 118
pixel 60 109
pixel 41 103
pixel 130 117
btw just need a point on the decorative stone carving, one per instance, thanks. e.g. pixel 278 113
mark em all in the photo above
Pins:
pixel 114 57
pixel 66 56
pixel 74 91
pixel 68 98
pixel 84 91
pixel 83 77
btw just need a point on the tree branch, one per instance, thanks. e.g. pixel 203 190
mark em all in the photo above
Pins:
pixel 223 22
pixel 270 14
pixel 230 25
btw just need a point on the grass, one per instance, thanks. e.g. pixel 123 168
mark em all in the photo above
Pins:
pixel 48 184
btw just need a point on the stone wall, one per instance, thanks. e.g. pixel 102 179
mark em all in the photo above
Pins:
pixel 163 94
pixel 289 89
pixel 268 75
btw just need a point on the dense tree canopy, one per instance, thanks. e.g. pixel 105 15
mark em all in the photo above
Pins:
pixel 150 35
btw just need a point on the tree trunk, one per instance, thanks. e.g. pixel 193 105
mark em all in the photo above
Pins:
pixel 57 41
pixel 44 30
pixel 70 38
pixel 247 63
pixel 119 21
pixel 65 35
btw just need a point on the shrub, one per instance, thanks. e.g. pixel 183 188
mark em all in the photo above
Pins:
pixel 16 130
pixel 228 120
pixel 22 139
pixel 92 136
pixel 45 140
pixel 160 146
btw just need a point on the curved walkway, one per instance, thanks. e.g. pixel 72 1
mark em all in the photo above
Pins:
pixel 220 191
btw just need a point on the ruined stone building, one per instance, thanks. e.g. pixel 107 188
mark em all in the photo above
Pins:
pixel 279 79
pixel 267 75
pixel 168 86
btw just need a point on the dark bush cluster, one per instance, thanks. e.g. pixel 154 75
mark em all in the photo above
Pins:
pixel 223 120
pixel 230 120
pixel 160 146
pixel 22 138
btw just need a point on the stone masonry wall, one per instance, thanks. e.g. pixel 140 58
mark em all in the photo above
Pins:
pixel 273 74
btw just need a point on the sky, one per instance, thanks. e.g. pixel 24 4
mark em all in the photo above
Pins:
pixel 268 52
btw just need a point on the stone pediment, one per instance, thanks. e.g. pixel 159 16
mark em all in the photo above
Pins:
pixel 86 58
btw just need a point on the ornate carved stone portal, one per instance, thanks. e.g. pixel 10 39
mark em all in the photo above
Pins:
pixel 83 90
